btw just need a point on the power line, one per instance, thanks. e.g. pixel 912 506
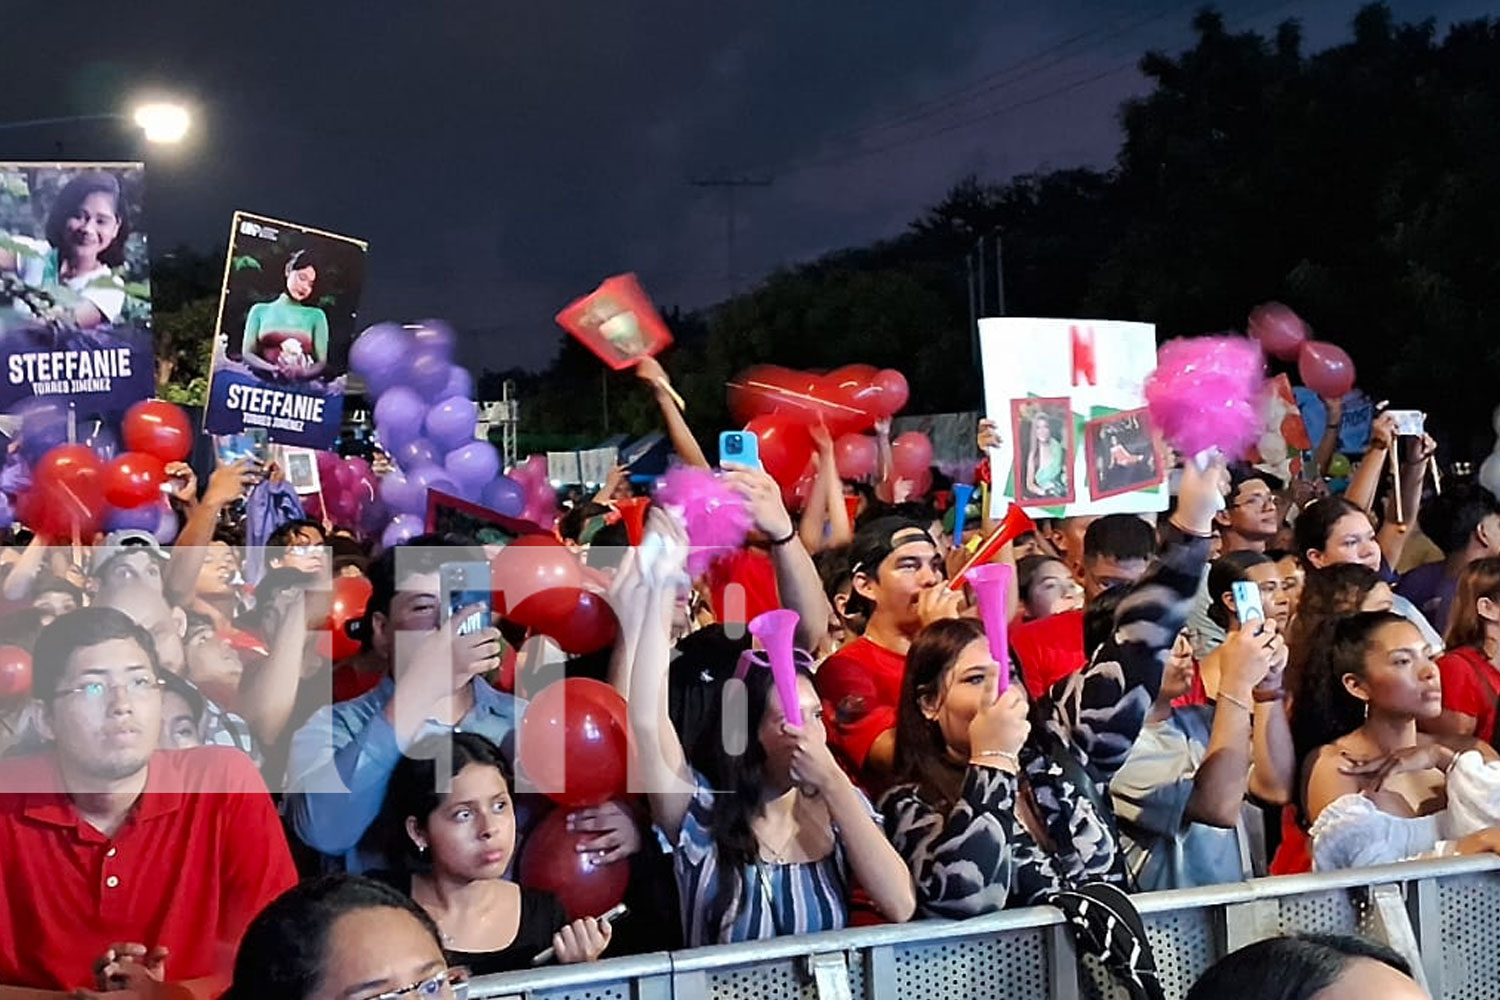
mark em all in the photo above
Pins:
pixel 992 81
pixel 730 185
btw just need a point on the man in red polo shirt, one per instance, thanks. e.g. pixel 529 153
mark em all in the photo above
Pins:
pixel 897 579
pixel 121 866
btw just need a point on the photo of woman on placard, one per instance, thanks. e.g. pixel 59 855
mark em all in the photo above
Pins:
pixel 287 338
pixel 1122 454
pixel 1044 451
pixel 72 276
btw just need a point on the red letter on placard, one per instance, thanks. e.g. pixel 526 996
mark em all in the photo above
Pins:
pixel 1083 356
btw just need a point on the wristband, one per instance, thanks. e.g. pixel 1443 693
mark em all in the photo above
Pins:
pixel 1009 755
pixel 1238 702
pixel 783 541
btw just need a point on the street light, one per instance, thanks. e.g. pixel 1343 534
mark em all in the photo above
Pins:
pixel 161 122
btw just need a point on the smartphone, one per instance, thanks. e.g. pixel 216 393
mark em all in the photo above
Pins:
pixel 739 447
pixel 1409 423
pixel 614 913
pixel 1247 601
pixel 464 584
pixel 248 446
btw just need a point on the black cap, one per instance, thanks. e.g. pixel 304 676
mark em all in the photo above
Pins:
pixel 879 538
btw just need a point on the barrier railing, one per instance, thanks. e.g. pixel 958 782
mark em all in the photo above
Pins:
pixel 1441 914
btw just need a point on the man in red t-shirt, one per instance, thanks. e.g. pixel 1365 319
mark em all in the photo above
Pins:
pixel 123 867
pixel 1117 549
pixel 897 578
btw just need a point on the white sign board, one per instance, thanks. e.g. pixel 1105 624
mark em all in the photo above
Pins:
pixel 1067 397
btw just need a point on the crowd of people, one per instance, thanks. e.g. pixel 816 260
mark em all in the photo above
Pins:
pixel 196 797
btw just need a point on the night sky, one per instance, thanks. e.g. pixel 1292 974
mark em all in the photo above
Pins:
pixel 502 157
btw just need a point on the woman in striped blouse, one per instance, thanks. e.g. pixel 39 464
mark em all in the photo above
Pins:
pixel 770 845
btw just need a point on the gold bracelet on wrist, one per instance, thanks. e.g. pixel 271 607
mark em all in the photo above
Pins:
pixel 1238 702
pixel 1009 755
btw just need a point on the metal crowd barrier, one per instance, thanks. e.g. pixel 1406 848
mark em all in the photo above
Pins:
pixel 1440 914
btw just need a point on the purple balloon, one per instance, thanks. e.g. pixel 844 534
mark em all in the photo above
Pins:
pixel 398 416
pixel 7 513
pixel 427 372
pixel 380 352
pixel 44 426
pixel 473 464
pixel 100 438
pixel 168 525
pixel 451 421
pixel 433 336
pixel 431 477
pixel 460 383
pixel 399 494
pixel 414 454
pixel 504 496
pixel 144 518
pixel 402 529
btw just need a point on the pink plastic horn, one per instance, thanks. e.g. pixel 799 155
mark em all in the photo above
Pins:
pixel 992 583
pixel 775 629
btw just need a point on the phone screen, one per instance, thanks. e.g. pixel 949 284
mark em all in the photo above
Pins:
pixel 464 585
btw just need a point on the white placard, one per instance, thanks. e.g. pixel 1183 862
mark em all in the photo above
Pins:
pixel 1084 380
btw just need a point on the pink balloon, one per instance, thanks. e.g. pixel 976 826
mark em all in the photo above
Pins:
pixel 1326 369
pixel 856 456
pixel 911 454
pixel 893 391
pixel 1280 331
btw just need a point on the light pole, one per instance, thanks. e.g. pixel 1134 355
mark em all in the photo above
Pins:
pixel 160 122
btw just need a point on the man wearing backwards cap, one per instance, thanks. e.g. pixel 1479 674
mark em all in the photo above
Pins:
pixel 898 581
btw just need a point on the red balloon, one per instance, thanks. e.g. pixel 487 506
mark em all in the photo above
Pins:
pixel 134 479
pixel 786 447
pixel 530 565
pixel 1280 331
pixel 66 494
pixel 158 428
pixel 893 391
pixel 579 621
pixel 551 862
pixel 15 672
pixel 911 454
pixel 1326 369
pixel 856 456
pixel 350 596
pixel 800 397
pixel 573 743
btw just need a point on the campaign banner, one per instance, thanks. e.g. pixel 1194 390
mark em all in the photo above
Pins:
pixel 286 319
pixel 75 287
pixel 1068 399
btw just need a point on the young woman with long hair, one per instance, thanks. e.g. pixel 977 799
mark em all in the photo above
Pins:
pixel 1471 666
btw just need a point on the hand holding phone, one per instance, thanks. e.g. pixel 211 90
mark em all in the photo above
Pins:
pixel 1247 602
pixel 466 585
pixel 739 448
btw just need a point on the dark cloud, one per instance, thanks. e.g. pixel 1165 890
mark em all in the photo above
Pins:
pixel 502 157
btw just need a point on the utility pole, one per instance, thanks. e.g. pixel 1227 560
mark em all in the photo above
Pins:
pixel 730 186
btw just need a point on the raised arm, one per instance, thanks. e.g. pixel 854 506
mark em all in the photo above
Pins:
pixel 191 548
pixel 797 581
pixel 663 770
pixel 650 371
pixel 1099 711
pixel 1223 778
pixel 268 695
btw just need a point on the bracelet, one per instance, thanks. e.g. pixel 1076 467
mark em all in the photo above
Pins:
pixel 1238 702
pixel 1009 755
pixel 782 541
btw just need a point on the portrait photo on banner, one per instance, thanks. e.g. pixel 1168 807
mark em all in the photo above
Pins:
pixel 75 287
pixel 1123 452
pixel 286 319
pixel 1045 451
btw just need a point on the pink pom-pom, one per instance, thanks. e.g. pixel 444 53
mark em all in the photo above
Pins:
pixel 716 518
pixel 1206 393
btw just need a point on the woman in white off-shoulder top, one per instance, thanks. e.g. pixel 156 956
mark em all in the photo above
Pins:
pixel 1375 790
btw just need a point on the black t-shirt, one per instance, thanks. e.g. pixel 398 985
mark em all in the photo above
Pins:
pixel 701 663
pixel 541 917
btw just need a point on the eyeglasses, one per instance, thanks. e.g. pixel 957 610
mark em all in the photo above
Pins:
pixel 97 692
pixel 450 984
pixel 1258 500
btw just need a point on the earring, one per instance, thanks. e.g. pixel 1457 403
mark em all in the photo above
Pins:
pixel 421 850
